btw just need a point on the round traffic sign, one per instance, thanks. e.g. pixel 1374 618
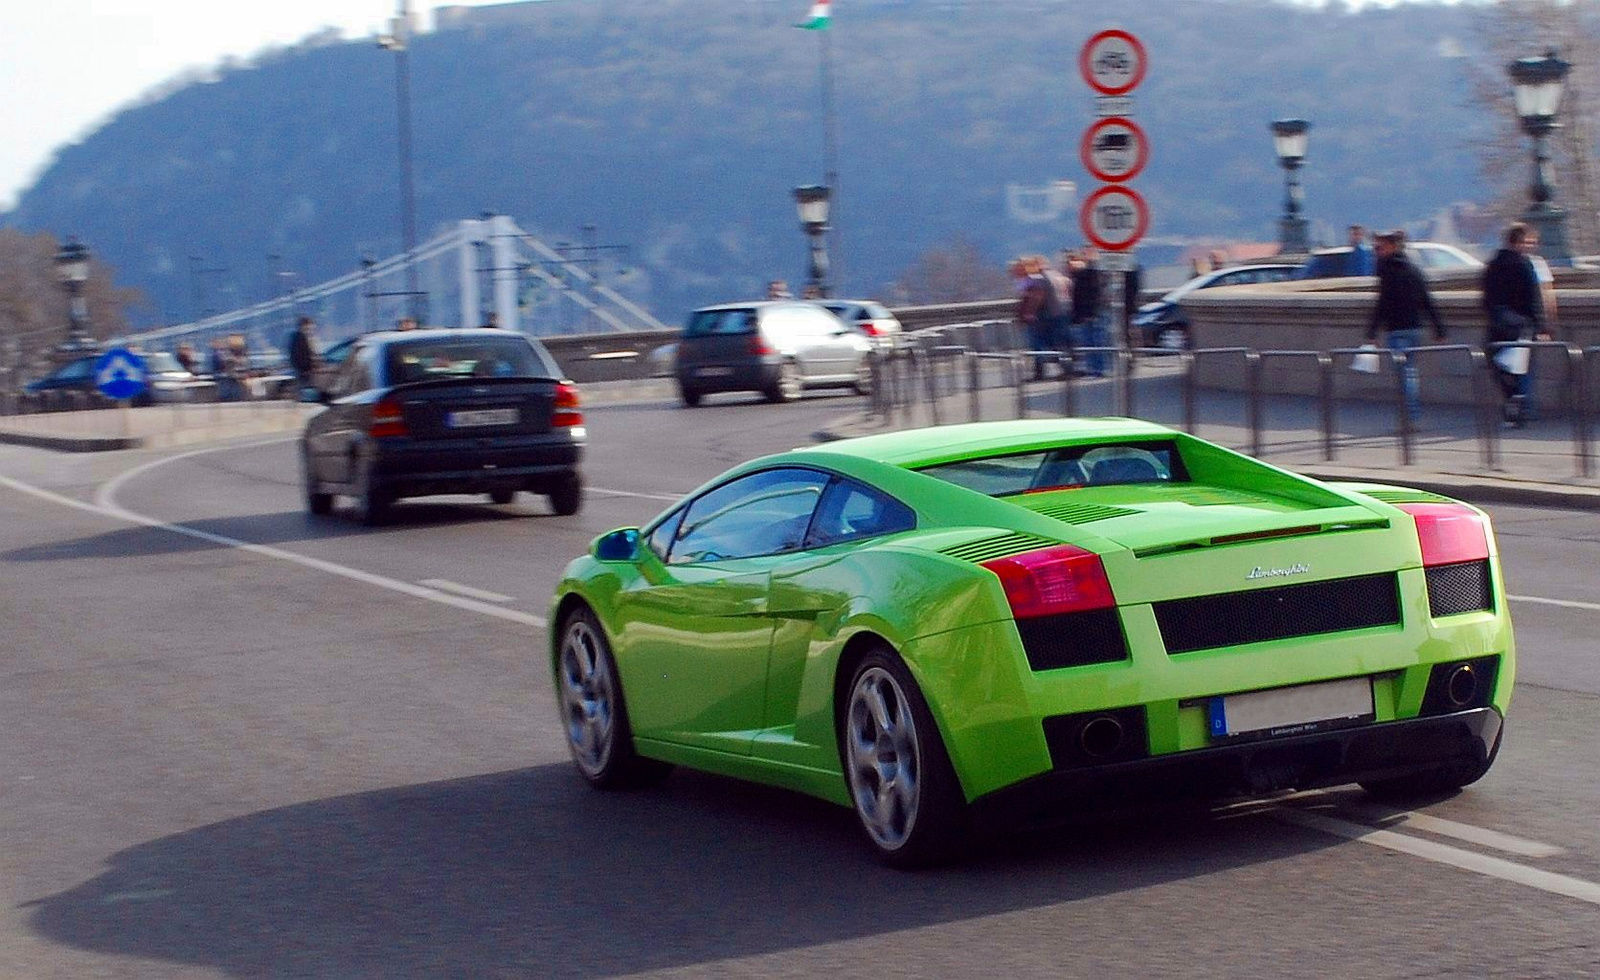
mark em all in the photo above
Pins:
pixel 1114 218
pixel 1113 62
pixel 120 374
pixel 1115 149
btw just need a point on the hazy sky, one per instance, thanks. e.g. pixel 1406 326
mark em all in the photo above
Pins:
pixel 67 65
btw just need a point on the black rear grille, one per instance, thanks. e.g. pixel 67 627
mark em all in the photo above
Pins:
pixel 1462 587
pixel 1073 639
pixel 1261 615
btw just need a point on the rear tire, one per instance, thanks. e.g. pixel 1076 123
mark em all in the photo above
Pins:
pixel 691 398
pixel 373 503
pixel 594 713
pixel 502 497
pixel 1440 781
pixel 318 504
pixel 566 498
pixel 904 790
pixel 787 386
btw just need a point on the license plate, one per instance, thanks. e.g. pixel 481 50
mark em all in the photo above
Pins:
pixel 481 417
pixel 713 372
pixel 1292 710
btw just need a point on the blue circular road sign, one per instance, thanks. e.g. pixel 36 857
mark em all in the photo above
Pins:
pixel 120 374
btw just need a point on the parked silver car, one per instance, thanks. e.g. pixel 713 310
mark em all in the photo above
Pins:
pixel 871 318
pixel 777 348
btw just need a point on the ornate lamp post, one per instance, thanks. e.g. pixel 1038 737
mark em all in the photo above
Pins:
pixel 398 40
pixel 812 202
pixel 1538 83
pixel 72 268
pixel 1289 139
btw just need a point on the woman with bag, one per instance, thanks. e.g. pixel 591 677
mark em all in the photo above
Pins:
pixel 1512 298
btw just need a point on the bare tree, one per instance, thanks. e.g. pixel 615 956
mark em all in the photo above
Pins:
pixel 33 306
pixel 1512 29
pixel 956 273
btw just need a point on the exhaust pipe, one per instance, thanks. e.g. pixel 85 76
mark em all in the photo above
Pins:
pixel 1462 687
pixel 1100 737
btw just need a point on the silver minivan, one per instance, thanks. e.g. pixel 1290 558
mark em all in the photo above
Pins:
pixel 777 348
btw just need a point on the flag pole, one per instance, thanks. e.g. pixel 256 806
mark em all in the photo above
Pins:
pixel 830 140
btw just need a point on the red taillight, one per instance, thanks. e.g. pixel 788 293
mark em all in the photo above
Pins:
pixel 1449 533
pixel 759 346
pixel 1053 580
pixel 387 420
pixel 869 327
pixel 566 412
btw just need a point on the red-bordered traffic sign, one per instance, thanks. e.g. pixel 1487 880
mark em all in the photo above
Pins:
pixel 1114 218
pixel 1113 62
pixel 1114 149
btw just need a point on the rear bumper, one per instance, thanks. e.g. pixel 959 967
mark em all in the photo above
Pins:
pixel 439 466
pixel 747 376
pixel 1332 758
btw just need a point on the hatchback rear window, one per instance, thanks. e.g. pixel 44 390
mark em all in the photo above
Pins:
pixel 488 357
pixel 1070 467
pixel 705 323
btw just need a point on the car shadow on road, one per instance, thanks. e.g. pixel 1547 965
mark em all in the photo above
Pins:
pixel 530 872
pixel 285 527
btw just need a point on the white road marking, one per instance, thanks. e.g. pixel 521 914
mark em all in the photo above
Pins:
pixel 445 585
pixel 107 506
pixel 1482 836
pixel 1455 857
pixel 1564 603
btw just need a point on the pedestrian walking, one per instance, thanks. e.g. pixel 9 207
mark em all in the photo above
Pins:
pixel 1088 310
pixel 778 289
pixel 1132 285
pixel 1403 304
pixel 1361 261
pixel 1513 298
pixel 303 352
pixel 1030 314
pixel 187 357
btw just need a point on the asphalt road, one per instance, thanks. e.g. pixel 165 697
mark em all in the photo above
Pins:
pixel 265 746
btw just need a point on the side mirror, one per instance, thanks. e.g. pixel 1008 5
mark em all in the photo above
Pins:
pixel 620 545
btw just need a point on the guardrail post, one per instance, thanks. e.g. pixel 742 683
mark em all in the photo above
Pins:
pixel 1485 411
pixel 974 395
pixel 1252 362
pixel 1585 407
pixel 1325 395
pixel 1399 360
pixel 1191 413
pixel 1576 376
pixel 930 366
pixel 1018 366
pixel 1069 381
pixel 1124 384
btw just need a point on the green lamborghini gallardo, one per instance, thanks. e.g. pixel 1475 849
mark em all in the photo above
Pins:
pixel 952 627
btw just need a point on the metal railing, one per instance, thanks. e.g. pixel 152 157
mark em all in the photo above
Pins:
pixel 920 373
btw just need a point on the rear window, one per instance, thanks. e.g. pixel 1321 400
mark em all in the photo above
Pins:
pixel 1070 467
pixel 706 323
pixel 486 357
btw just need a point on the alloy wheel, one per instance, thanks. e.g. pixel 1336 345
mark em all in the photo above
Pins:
pixel 884 761
pixel 588 694
pixel 789 385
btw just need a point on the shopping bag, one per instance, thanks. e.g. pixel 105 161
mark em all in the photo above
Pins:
pixel 1365 362
pixel 1513 360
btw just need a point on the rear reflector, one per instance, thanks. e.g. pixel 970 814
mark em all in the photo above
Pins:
pixel 1053 580
pixel 1449 533
pixel 759 346
pixel 387 420
pixel 566 408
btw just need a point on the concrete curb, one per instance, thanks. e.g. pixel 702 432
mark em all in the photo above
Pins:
pixel 70 444
pixel 1474 487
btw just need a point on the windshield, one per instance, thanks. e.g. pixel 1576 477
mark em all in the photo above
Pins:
pixel 485 357
pixel 1067 468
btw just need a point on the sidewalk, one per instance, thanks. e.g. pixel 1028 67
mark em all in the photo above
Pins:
pixel 1537 464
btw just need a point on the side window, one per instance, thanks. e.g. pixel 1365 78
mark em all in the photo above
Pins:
pixel 850 511
pixel 765 513
pixel 660 540
pixel 350 373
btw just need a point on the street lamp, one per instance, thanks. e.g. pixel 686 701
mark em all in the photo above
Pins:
pixel 1289 139
pixel 1537 83
pixel 72 268
pixel 812 202
pixel 398 40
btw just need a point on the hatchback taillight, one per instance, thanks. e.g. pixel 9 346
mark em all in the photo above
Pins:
pixel 566 408
pixel 1449 533
pixel 1054 580
pixel 387 419
pixel 869 327
pixel 759 346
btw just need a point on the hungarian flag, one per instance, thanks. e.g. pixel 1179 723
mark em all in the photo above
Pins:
pixel 821 16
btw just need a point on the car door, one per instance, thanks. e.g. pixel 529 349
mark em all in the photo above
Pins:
pixel 695 630
pixel 838 348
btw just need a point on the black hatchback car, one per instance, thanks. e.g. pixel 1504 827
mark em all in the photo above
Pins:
pixel 444 411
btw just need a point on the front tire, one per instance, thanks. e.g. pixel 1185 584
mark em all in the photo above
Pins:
pixel 787 386
pixel 903 788
pixel 594 714
pixel 318 504
pixel 691 398
pixel 502 497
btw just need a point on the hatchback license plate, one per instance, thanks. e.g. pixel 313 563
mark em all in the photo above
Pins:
pixel 714 372
pixel 1295 710
pixel 481 417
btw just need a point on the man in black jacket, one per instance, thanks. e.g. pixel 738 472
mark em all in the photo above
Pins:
pixel 303 352
pixel 1403 303
pixel 1512 298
